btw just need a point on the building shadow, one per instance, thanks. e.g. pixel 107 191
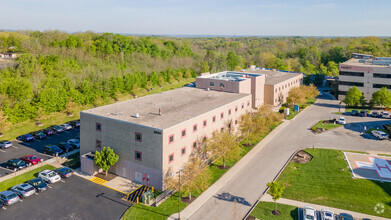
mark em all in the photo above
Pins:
pixel 361 126
pixel 102 195
pixel 231 198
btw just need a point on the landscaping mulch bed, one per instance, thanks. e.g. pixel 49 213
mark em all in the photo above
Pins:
pixel 221 167
pixel 250 218
pixel 187 200
pixel 109 176
pixel 247 145
pixel 302 157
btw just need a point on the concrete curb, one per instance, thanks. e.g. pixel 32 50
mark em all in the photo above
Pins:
pixel 199 202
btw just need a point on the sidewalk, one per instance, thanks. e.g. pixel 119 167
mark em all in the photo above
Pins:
pixel 212 190
pixel 267 198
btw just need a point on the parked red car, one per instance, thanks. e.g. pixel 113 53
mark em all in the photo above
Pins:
pixel 31 159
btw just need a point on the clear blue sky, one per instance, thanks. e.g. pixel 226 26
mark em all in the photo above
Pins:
pixel 204 17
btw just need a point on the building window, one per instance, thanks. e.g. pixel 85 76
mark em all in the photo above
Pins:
pixel 138 136
pixel 379 86
pixel 171 139
pixel 276 89
pixel 345 83
pixel 279 88
pixel 236 122
pixel 242 105
pixel 222 129
pixel 248 103
pixel 184 132
pixel 204 123
pixel 98 144
pixel 98 126
pixel 221 85
pixel 359 74
pixel 195 128
pixel 222 115
pixel 229 111
pixel 236 108
pixel 381 75
pixel 195 144
pixel 171 158
pixel 214 119
pixel 137 155
pixel 211 84
pixel 183 151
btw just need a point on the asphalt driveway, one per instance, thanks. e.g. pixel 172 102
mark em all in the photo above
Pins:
pixel 74 198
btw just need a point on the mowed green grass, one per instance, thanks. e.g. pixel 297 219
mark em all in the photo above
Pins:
pixel 327 180
pixel 6 184
pixel 264 210
pixel 329 126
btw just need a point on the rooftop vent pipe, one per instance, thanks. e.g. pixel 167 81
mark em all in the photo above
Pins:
pixel 137 115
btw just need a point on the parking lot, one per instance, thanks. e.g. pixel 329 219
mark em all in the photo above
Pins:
pixel 20 149
pixel 73 198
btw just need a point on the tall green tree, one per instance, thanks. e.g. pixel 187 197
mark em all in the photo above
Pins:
pixel 53 100
pixel 276 190
pixel 353 97
pixel 105 159
pixel 382 97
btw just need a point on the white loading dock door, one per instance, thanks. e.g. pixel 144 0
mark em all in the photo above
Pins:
pixel 138 177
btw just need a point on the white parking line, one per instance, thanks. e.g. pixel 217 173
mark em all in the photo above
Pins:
pixel 50 187
pixel 15 147
pixel 21 200
pixel 62 181
pixel 2 150
pixel 36 193
pixel 4 208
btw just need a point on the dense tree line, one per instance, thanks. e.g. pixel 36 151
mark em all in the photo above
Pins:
pixel 57 71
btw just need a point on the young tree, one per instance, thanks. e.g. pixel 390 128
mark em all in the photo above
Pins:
pixel 247 126
pixel 105 158
pixel 295 96
pixel 223 145
pixel 275 189
pixel 353 97
pixel 382 97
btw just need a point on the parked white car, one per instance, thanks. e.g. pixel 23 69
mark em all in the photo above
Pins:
pixel 5 144
pixel 327 215
pixel 309 213
pixel 66 126
pixel 342 121
pixel 386 115
pixel 49 176
pixel 74 142
pixel 23 190
pixel 381 135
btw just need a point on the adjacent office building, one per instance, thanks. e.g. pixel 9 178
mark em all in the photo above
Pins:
pixel 366 73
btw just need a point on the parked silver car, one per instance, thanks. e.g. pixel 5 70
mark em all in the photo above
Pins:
pixel 9 197
pixel 75 143
pixel 5 144
pixel 66 126
pixel 24 190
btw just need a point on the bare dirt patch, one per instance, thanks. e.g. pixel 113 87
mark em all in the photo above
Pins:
pixel 302 157
pixel 188 200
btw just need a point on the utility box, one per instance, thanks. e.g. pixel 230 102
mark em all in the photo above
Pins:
pixel 147 197
pixel 296 107
pixel 286 112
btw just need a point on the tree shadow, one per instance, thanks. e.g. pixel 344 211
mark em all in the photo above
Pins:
pixel 295 214
pixel 231 198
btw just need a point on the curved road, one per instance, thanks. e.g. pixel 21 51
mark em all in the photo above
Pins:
pixel 247 186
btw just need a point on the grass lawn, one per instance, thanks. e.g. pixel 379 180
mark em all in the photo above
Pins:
pixel 163 211
pixel 327 180
pixel 328 126
pixel 60 117
pixel 6 184
pixel 293 113
pixel 264 211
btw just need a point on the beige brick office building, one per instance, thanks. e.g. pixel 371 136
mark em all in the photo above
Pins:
pixel 150 143
pixel 366 73
pixel 157 133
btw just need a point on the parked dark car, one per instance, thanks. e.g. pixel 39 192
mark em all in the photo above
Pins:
pixel 345 216
pixel 363 113
pixel 64 172
pixel 38 135
pixel 77 137
pixel 25 138
pixel 75 124
pixel 38 184
pixel 57 128
pixel 1 203
pixel 16 164
pixel 52 150
pixel 48 131
pixel 354 112
pixel 376 115
pixel 65 147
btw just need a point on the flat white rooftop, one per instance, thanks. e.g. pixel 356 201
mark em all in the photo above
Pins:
pixel 177 106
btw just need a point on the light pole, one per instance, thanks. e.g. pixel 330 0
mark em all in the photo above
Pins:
pixel 179 195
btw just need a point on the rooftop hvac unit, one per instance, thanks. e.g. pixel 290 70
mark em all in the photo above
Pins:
pixel 137 115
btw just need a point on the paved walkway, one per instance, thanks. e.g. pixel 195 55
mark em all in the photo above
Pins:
pixel 268 198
